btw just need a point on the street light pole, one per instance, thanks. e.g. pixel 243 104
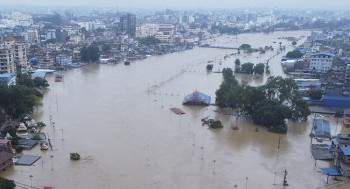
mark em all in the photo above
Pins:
pixel 202 152
pixel 51 162
pixel 214 161
pixel 274 179
pixel 31 183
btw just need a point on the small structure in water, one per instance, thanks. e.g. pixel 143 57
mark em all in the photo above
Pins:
pixel 197 98
pixel 321 128
pixel 58 78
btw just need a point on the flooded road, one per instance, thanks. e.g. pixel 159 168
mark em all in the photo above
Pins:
pixel 128 138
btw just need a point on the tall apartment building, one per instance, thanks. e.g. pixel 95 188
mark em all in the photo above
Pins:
pixel 128 24
pixel 12 56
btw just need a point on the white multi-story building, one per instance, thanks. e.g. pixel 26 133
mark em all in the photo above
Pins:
pixel 11 55
pixel 33 36
pixel 321 62
pixel 145 30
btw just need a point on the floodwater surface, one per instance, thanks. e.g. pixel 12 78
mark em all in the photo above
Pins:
pixel 117 118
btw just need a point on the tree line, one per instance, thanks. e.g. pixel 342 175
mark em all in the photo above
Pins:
pixel 249 68
pixel 268 105
pixel 18 100
pixel 90 53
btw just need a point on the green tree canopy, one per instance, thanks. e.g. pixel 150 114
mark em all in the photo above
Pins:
pixel 294 54
pixel 84 54
pixel 259 68
pixel 237 62
pixel 90 53
pixel 209 67
pixel 315 93
pixel 106 48
pixel 39 82
pixel 247 68
pixel 245 46
pixel 18 100
pixel 268 105
pixel 26 80
pixel 94 53
pixel 7 184
pixel 151 40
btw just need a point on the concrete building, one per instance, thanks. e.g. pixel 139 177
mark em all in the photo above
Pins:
pixel 128 24
pixel 7 79
pixel 12 56
pixel 33 36
pixel 146 30
pixel 321 62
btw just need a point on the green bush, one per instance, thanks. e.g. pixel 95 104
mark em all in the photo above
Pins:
pixel 7 184
pixel 215 125
pixel 19 149
pixel 280 129
pixel 74 156
pixel 36 137
pixel 209 67
pixel 40 124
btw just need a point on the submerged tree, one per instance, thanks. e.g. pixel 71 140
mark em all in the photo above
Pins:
pixel 7 184
pixel 268 105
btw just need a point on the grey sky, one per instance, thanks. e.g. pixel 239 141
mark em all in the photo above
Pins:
pixel 227 4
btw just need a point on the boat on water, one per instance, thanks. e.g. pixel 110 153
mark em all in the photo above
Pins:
pixel 197 99
pixel 58 78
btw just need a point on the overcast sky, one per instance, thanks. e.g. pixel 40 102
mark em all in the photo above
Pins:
pixel 227 4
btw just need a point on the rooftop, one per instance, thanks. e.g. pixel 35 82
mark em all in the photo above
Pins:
pixel 323 53
pixel 7 75
pixel 345 150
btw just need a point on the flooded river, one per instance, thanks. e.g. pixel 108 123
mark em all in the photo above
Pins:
pixel 128 138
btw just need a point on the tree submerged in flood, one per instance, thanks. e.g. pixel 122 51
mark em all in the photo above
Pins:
pixel 268 105
pixel 74 156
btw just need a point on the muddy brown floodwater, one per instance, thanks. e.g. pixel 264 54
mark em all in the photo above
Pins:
pixel 128 138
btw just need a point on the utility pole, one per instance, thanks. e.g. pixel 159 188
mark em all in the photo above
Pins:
pixel 285 183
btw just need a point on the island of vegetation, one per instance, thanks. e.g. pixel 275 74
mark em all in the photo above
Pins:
pixel 268 105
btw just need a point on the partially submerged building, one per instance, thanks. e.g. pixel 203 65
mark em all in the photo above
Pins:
pixel 197 98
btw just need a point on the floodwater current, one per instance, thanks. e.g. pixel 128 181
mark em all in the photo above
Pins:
pixel 128 138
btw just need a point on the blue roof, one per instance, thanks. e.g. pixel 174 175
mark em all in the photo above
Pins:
pixel 309 84
pixel 335 141
pixel 7 75
pixel 331 171
pixel 323 53
pixel 197 97
pixel 38 74
pixel 345 150
pixel 322 128
pixel 341 101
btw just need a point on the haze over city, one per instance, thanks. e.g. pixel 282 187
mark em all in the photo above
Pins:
pixel 226 4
